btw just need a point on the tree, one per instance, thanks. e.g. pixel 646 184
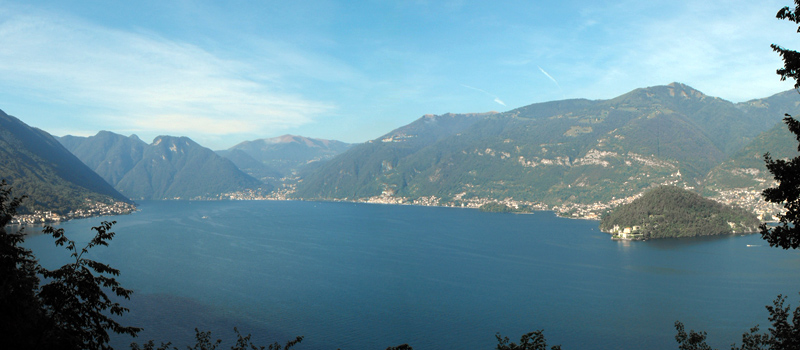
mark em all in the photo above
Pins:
pixel 791 58
pixel 690 341
pixel 784 333
pixel 530 341
pixel 787 233
pixel 21 315
pixel 75 298
pixel 203 342
pixel 72 310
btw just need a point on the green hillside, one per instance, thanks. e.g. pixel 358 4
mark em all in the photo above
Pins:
pixel 110 155
pixel 556 153
pixel 38 166
pixel 169 168
pixel 669 212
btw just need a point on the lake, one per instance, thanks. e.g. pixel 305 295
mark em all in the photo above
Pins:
pixel 363 276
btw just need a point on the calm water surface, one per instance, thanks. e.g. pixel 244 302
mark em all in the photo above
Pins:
pixel 360 276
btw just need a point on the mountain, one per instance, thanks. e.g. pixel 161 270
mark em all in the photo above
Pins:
pixel 273 158
pixel 169 168
pixel 110 155
pixel 37 165
pixel 368 169
pixel 555 153
pixel 251 166
pixel 741 178
pixel 669 212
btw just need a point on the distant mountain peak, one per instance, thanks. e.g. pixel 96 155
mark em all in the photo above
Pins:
pixel 294 139
pixel 683 90
pixel 173 140
pixel 289 139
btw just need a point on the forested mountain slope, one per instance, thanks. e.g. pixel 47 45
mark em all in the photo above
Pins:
pixel 572 151
pixel 169 168
pixel 37 165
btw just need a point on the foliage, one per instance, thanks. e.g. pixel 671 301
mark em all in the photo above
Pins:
pixel 691 341
pixel 48 174
pixel 531 341
pixel 400 347
pixel 21 315
pixel 791 58
pixel 75 298
pixel 70 311
pixel 203 342
pixel 784 333
pixel 494 207
pixel 787 233
pixel 669 211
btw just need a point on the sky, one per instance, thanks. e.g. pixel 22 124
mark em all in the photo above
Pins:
pixel 223 72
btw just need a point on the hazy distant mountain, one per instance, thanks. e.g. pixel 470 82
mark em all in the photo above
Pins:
pixel 110 155
pixel 38 166
pixel 273 158
pixel 252 167
pixel 577 151
pixel 170 167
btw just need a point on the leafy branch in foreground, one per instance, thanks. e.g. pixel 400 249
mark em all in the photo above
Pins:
pixel 72 310
pixel 76 300
pixel 784 333
pixel 787 234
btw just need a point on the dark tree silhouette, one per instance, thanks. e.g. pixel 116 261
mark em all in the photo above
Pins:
pixel 530 341
pixel 75 298
pixel 783 334
pixel 791 58
pixel 72 310
pixel 787 172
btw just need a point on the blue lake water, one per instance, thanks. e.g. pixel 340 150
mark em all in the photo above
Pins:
pixel 361 276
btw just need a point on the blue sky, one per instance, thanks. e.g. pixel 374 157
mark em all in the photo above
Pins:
pixel 222 72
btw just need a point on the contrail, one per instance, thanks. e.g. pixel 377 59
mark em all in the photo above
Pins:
pixel 496 99
pixel 551 78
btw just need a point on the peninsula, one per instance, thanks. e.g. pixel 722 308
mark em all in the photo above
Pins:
pixel 671 212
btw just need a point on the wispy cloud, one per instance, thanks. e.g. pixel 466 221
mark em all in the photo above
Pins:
pixel 719 47
pixel 143 82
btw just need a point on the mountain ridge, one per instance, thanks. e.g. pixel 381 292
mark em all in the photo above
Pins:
pixel 168 168
pixel 551 154
pixel 35 164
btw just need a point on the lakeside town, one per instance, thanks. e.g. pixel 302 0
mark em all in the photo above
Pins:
pixel 749 199
pixel 92 209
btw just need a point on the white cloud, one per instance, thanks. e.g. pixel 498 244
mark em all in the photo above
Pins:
pixel 143 82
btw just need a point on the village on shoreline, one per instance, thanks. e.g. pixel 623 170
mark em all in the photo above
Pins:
pixel 93 209
pixel 749 199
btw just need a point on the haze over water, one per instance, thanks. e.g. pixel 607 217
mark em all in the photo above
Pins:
pixel 360 276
